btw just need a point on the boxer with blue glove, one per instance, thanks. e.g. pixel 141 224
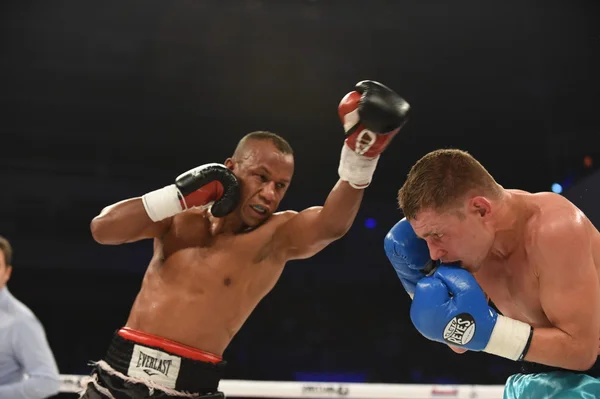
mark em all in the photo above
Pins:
pixel 408 255
pixel 451 308
pixel 536 255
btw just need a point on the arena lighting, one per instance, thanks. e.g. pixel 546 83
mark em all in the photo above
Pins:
pixel 370 223
pixel 557 188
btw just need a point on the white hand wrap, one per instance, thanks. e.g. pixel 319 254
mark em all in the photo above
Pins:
pixel 162 203
pixel 510 338
pixel 356 169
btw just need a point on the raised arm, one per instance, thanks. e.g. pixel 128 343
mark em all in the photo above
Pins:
pixel 150 216
pixel 372 115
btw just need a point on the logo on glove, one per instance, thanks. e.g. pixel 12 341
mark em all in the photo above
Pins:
pixel 460 330
pixel 365 141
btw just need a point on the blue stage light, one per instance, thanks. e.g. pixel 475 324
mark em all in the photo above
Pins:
pixel 370 223
pixel 557 188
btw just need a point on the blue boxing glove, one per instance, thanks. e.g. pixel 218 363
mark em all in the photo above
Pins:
pixel 408 254
pixel 451 308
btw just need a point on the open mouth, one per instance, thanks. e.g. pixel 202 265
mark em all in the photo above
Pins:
pixel 261 210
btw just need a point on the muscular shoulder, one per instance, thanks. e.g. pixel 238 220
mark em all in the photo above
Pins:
pixel 276 220
pixel 558 225
pixel 284 216
pixel 557 215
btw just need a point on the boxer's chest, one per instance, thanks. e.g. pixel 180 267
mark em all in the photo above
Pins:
pixel 514 289
pixel 227 257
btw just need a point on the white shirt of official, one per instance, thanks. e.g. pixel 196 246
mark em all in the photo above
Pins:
pixel 27 366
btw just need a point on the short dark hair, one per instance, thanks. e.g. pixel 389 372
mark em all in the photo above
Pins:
pixel 441 179
pixel 280 143
pixel 6 248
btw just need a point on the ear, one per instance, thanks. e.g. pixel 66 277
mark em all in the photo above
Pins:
pixel 229 163
pixel 8 272
pixel 481 206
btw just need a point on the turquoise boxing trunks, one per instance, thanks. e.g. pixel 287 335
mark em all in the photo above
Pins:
pixel 543 382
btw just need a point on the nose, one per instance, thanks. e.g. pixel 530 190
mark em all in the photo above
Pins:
pixel 435 252
pixel 268 192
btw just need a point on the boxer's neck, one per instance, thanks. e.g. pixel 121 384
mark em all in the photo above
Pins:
pixel 512 215
pixel 230 224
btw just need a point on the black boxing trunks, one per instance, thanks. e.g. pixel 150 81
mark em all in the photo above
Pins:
pixel 140 365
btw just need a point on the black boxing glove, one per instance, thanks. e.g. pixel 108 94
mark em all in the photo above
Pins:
pixel 197 187
pixel 372 115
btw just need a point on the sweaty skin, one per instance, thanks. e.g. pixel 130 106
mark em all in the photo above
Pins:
pixel 207 274
pixel 542 267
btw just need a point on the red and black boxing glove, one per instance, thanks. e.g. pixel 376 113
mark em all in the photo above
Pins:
pixel 195 188
pixel 372 115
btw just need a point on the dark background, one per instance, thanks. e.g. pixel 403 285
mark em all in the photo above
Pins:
pixel 101 101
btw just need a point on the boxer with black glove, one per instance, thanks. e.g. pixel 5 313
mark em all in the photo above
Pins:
pixel 220 247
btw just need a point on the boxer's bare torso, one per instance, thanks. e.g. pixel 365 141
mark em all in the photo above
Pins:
pixel 207 274
pixel 512 277
pixel 202 284
pixel 512 283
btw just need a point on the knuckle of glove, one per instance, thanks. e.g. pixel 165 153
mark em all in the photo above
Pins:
pixel 404 248
pixel 230 197
pixel 195 178
pixel 457 277
pixel 365 85
pixel 381 109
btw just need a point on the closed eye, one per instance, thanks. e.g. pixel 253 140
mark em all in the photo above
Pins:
pixel 262 178
pixel 437 236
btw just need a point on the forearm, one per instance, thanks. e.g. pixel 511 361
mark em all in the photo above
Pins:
pixel 340 209
pixel 553 347
pixel 123 222
pixel 31 388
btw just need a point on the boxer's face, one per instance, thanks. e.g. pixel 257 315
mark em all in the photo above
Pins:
pixel 265 175
pixel 458 235
pixel 4 270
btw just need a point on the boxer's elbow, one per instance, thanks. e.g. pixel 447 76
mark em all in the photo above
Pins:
pixel 585 359
pixel 582 354
pixel 587 350
pixel 97 230
pixel 101 232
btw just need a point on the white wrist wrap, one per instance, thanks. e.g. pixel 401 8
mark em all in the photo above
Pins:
pixel 509 338
pixel 162 203
pixel 356 169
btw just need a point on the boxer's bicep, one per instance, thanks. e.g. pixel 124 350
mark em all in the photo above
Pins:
pixel 301 236
pixel 568 282
pixel 311 230
pixel 125 222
